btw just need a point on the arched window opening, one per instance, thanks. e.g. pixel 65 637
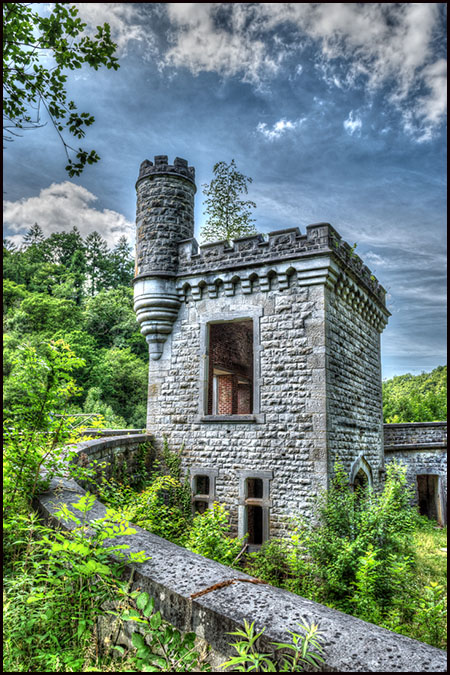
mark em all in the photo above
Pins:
pixel 361 480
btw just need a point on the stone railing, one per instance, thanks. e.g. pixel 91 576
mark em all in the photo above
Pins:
pixel 415 435
pixel 210 599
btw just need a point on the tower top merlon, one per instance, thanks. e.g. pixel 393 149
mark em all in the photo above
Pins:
pixel 160 165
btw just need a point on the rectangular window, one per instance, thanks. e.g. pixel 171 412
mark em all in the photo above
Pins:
pixel 203 486
pixel 230 376
pixel 254 506
pixel 230 350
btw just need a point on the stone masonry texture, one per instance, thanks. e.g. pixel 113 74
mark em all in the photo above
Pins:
pixel 422 447
pixel 317 314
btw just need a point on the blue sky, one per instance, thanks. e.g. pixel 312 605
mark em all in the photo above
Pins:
pixel 336 111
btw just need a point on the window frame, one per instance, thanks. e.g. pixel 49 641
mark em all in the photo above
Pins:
pixel 254 314
pixel 212 474
pixel 264 502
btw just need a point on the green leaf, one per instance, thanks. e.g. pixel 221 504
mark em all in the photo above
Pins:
pixel 142 600
pixel 138 640
pixel 120 649
pixel 149 607
pixel 155 621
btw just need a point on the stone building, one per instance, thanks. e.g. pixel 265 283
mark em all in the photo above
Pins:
pixel 422 447
pixel 264 356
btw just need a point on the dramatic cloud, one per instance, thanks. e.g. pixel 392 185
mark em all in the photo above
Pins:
pixel 386 45
pixel 61 207
pixel 217 37
pixel 278 129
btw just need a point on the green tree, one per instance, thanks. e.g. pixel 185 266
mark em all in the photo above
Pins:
pixel 62 246
pixel 229 217
pixel 97 262
pixel 13 294
pixel 416 398
pixel 30 85
pixel 122 263
pixel 43 314
pixel 34 236
pixel 109 317
pixel 122 379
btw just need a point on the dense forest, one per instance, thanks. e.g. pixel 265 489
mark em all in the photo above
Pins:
pixel 416 398
pixel 79 290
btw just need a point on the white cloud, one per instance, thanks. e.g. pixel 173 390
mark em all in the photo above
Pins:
pixel 126 21
pixel 352 125
pixel 200 44
pixel 61 207
pixel 388 44
pixel 279 128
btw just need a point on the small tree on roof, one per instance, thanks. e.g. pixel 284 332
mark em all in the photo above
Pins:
pixel 229 217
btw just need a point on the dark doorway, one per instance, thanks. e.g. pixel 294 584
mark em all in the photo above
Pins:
pixel 200 506
pixel 428 494
pixel 255 525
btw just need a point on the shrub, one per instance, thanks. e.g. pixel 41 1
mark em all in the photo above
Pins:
pixel 358 525
pixel 209 536
pixel 271 562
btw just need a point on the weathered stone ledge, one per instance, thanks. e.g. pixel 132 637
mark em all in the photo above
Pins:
pixel 404 447
pixel 173 575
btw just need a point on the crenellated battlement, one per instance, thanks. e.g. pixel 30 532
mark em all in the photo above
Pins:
pixel 160 165
pixel 276 247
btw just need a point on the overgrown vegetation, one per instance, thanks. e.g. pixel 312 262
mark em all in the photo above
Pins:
pixel 370 556
pixel 360 559
pixel 57 581
pixel 416 398
pixel 75 289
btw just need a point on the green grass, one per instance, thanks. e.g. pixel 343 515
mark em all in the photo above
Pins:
pixel 429 541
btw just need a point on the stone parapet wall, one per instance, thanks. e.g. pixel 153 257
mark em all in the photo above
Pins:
pixel 117 456
pixel 210 599
pixel 281 245
pixel 99 433
pixel 415 434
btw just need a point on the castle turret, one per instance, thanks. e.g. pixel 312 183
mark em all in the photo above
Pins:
pixel 164 217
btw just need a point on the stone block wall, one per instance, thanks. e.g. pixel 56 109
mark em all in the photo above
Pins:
pixel 287 437
pixel 354 397
pixel 422 447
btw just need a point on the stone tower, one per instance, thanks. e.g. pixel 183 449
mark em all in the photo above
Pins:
pixel 265 357
pixel 164 217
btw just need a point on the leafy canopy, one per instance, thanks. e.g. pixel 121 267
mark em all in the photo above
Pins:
pixel 29 84
pixel 229 217
pixel 416 398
